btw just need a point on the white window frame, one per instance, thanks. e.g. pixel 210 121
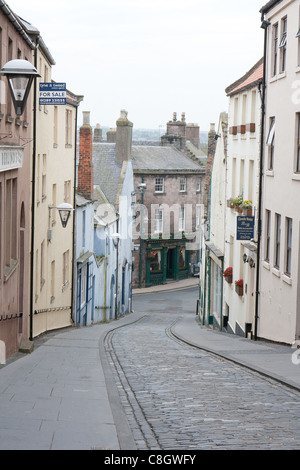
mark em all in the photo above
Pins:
pixel 182 184
pixel 159 184
pixel 159 217
pixel 181 220
pixel 83 286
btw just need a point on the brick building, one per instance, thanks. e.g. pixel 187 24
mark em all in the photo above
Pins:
pixel 170 216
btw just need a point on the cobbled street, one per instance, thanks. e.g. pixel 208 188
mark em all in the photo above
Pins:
pixel 179 397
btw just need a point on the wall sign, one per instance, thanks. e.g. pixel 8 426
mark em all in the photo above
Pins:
pixel 53 94
pixel 245 228
pixel 11 158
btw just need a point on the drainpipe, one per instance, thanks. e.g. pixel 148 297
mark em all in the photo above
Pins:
pixel 33 196
pixel 265 25
pixel 73 289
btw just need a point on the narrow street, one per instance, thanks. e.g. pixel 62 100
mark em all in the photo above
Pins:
pixel 179 397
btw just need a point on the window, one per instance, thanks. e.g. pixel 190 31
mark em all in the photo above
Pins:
pixel 65 273
pixel 288 250
pixel 181 219
pixel 275 50
pixel 182 257
pixel 10 222
pixel 198 215
pixel 182 185
pixel 198 185
pixel 271 144
pixel 68 128
pixel 67 191
pixel 159 185
pixel 53 212
pixel 277 240
pixel 42 265
pixel 268 234
pixel 282 45
pixel 83 286
pixel 298 145
pixel 44 180
pixel 158 228
pixel 155 261
pixel 55 127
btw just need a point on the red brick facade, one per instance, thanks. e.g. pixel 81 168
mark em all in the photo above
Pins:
pixel 85 168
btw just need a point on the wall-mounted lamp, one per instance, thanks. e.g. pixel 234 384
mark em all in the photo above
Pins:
pixel 20 75
pixel 64 211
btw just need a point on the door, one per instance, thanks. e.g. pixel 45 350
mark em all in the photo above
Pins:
pixel 171 263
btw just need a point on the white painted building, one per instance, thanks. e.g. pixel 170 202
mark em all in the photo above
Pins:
pixel 241 191
pixel 279 306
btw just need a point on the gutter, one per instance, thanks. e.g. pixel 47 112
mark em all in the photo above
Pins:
pixel 265 25
pixel 12 18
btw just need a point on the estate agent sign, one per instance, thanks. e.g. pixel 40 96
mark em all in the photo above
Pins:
pixel 53 94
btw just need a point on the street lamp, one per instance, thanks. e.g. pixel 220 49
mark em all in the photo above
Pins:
pixel 116 239
pixel 64 210
pixel 20 75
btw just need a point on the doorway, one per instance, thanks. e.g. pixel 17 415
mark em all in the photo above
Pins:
pixel 171 263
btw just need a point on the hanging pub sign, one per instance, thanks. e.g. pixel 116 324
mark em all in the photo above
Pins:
pixel 53 94
pixel 245 228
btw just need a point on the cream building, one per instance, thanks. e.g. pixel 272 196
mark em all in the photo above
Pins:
pixel 279 308
pixel 242 187
pixel 52 286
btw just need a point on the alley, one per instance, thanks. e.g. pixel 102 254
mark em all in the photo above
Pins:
pixel 179 397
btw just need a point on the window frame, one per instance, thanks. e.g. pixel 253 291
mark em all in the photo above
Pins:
pixel 277 241
pixel 288 246
pixel 159 184
pixel 182 184
pixel 158 219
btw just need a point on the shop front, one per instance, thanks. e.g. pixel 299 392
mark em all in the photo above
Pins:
pixel 166 260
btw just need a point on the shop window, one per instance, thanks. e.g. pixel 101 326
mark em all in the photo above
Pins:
pixel 155 261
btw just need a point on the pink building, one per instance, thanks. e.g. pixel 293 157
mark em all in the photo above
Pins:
pixel 15 184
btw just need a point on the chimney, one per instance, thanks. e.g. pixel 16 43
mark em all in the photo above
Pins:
pixel 97 133
pixel 124 138
pixel 85 185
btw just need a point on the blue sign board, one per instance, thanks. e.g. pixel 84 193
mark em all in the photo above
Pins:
pixel 245 228
pixel 53 94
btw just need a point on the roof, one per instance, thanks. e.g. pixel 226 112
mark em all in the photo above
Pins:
pixel 106 170
pixel 15 21
pixel 166 159
pixel 250 79
pixel 268 6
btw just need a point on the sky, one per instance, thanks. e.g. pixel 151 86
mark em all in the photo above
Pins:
pixel 150 57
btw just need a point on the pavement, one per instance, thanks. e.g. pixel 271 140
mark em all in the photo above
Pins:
pixel 63 396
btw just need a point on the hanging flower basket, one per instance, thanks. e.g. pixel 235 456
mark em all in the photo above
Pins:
pixel 228 275
pixel 151 255
pixel 239 287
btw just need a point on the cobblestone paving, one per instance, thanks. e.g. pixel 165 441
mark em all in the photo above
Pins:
pixel 178 397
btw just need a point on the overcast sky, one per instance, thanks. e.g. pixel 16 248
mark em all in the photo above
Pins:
pixel 150 57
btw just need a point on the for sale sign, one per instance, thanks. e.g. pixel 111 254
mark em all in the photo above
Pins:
pixel 53 94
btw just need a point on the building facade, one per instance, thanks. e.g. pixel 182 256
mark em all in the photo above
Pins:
pixel 167 214
pixel 15 178
pixel 54 169
pixel 279 305
pixel 242 193
pixel 104 263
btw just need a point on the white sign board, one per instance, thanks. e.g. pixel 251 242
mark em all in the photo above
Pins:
pixel 53 94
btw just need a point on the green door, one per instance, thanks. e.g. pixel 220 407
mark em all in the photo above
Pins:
pixel 171 263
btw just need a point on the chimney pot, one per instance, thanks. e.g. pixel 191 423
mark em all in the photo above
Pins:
pixel 86 118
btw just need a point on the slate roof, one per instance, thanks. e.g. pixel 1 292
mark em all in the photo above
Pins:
pixel 167 159
pixel 106 170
